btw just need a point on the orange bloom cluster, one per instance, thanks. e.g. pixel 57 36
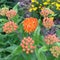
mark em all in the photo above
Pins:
pixel 45 12
pixel 11 14
pixel 50 39
pixel 9 27
pixel 27 45
pixel 30 24
pixel 3 11
pixel 55 50
pixel 48 22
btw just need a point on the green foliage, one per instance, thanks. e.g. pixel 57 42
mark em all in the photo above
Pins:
pixel 40 53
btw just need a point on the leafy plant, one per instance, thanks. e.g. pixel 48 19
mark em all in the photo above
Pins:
pixel 29 38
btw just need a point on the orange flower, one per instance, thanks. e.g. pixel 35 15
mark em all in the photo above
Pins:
pixel 51 39
pixel 9 27
pixel 30 24
pixel 45 12
pixel 27 45
pixel 55 50
pixel 10 14
pixel 48 22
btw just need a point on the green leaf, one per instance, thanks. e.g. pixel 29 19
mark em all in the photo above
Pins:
pixel 40 53
pixel 16 19
pixel 38 37
pixel 37 31
pixel 42 56
pixel 1 49
pixel 16 7
pixel 1 58
pixel 58 32
pixel 2 1
pixel 57 43
pixel 17 51
pixel 11 48
pixel 34 14
pixel 42 49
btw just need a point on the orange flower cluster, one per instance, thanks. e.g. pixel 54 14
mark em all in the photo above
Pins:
pixel 55 50
pixel 9 27
pixel 3 11
pixel 51 39
pixel 48 22
pixel 27 45
pixel 10 14
pixel 30 24
pixel 45 12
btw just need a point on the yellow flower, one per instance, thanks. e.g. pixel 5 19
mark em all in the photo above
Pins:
pixel 32 5
pixel 37 2
pixel 35 8
pixel 45 3
pixel 39 6
pixel 48 0
pixel 58 6
pixel 53 3
pixel 30 10
pixel 33 0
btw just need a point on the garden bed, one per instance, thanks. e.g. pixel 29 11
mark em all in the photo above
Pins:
pixel 29 29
